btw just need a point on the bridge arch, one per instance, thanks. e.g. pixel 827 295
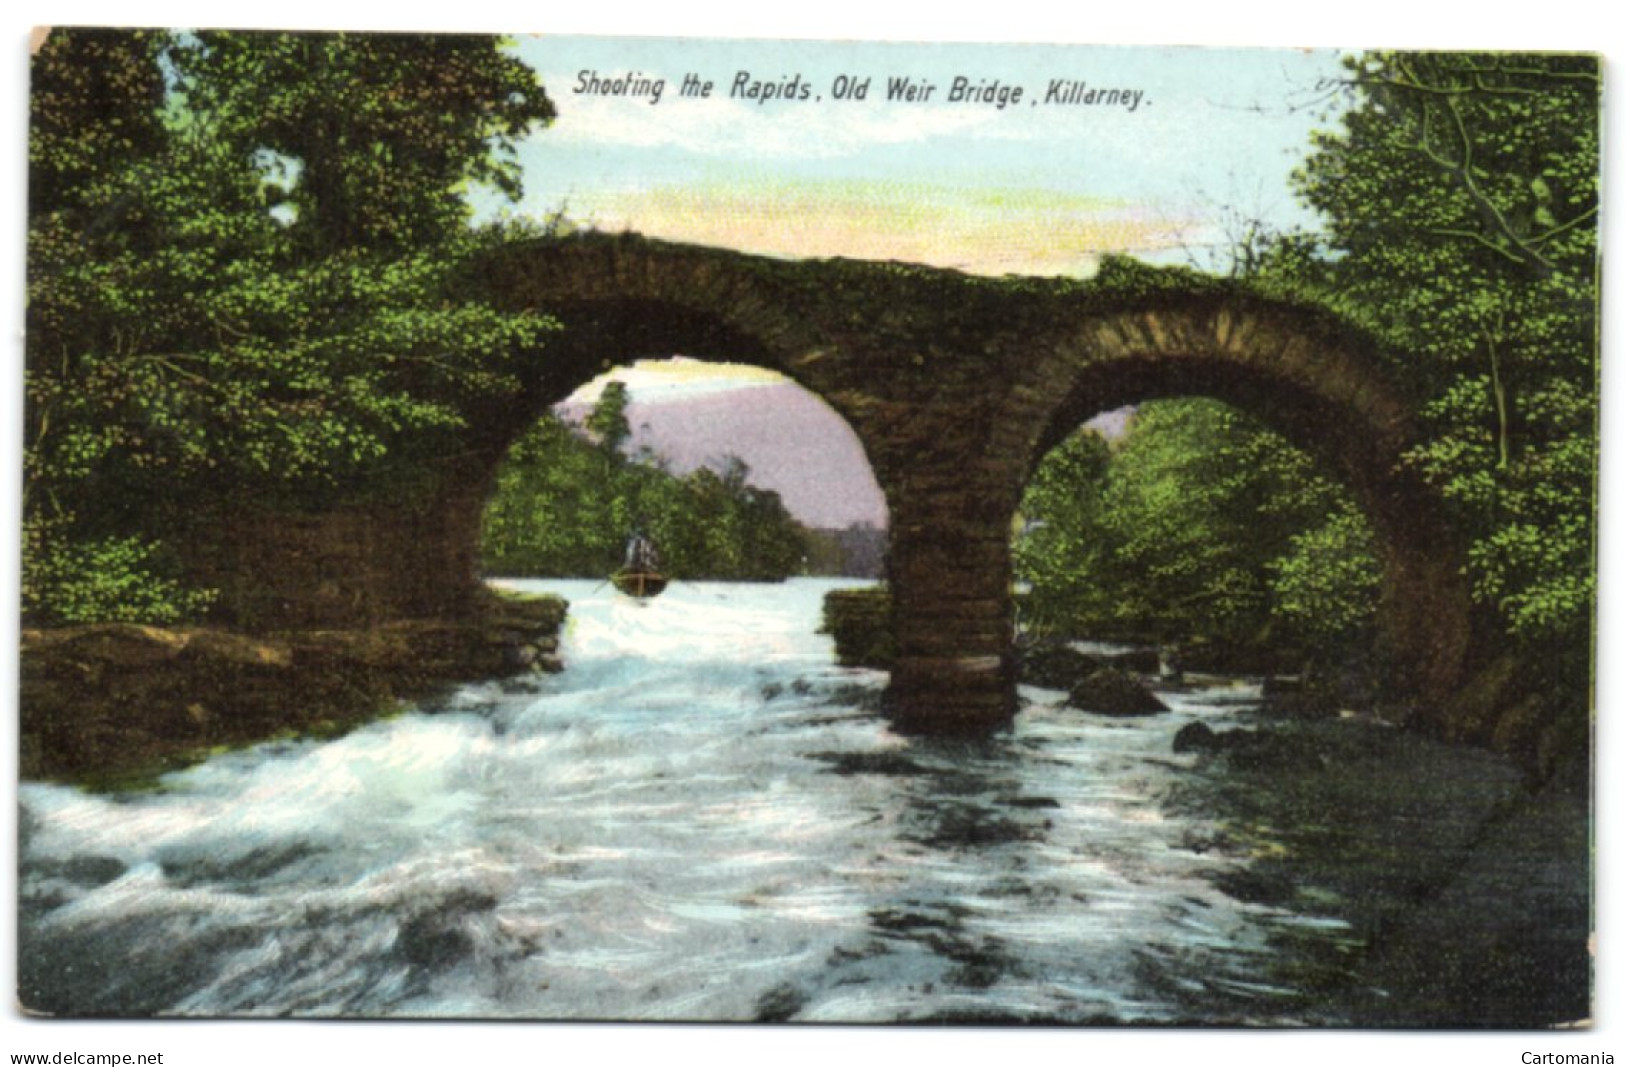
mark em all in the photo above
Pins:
pixel 955 387
pixel 622 300
pixel 646 299
pixel 1318 382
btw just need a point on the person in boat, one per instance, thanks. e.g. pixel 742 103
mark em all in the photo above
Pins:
pixel 641 554
pixel 640 576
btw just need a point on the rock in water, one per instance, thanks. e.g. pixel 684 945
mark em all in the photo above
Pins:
pixel 1055 666
pixel 1113 692
pixel 1196 737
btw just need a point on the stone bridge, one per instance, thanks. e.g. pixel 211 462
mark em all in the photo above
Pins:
pixel 956 386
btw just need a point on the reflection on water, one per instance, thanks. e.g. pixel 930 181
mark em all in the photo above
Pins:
pixel 702 818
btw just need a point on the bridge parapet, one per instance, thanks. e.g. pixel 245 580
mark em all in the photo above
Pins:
pixel 956 386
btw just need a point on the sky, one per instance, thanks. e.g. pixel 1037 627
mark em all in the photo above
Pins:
pixel 1044 184
pixel 793 443
pixel 1043 161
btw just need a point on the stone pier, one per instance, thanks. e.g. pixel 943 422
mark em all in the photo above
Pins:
pixel 956 386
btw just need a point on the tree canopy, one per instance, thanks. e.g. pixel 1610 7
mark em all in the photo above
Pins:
pixel 369 139
pixel 1199 524
pixel 1461 206
pixel 240 256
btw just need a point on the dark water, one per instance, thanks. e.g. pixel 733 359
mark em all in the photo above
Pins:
pixel 703 819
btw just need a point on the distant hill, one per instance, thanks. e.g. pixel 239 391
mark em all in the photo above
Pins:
pixel 793 442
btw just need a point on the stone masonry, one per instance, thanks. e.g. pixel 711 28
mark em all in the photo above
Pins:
pixel 956 386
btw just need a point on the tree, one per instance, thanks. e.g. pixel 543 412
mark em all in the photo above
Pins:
pixel 210 313
pixel 1461 198
pixel 384 129
pixel 94 106
pixel 565 500
pixel 607 421
pixel 1062 550
pixel 1198 524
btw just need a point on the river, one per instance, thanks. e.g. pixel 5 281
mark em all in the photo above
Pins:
pixel 703 818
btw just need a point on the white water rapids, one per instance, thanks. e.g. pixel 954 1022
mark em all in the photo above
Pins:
pixel 702 818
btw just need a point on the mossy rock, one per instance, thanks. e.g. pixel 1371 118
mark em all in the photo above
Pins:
pixel 860 622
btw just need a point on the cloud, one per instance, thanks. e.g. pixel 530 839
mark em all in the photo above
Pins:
pixel 982 230
pixel 1035 188
pixel 660 381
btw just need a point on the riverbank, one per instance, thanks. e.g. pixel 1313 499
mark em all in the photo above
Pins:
pixel 1512 704
pixel 1462 896
pixel 116 704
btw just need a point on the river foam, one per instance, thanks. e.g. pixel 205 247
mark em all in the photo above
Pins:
pixel 701 818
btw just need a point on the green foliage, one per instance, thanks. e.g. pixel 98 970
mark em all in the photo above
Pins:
pixel 1199 524
pixel 553 511
pixel 110 579
pixel 1461 198
pixel 1125 276
pixel 564 506
pixel 1062 551
pixel 721 526
pixel 241 259
pixel 95 99
pixel 386 129
pixel 607 422
pixel 1325 587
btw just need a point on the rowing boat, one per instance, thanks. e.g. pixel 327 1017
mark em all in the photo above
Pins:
pixel 641 584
